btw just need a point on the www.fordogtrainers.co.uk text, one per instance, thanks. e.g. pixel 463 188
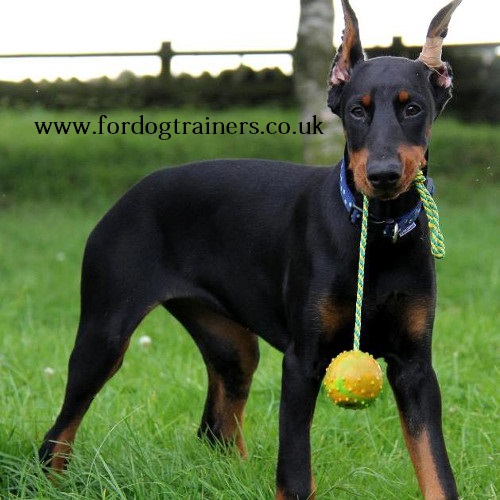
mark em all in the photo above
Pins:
pixel 166 129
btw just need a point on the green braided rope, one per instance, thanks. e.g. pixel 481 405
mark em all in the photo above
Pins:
pixel 436 239
pixel 361 274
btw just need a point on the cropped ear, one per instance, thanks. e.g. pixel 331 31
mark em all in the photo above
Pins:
pixel 441 93
pixel 349 53
pixel 441 74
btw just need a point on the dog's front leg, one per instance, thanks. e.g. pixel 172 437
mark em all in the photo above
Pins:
pixel 299 391
pixel 418 397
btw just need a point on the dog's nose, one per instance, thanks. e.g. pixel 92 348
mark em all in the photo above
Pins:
pixel 383 175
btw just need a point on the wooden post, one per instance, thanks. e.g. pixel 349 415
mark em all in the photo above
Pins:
pixel 166 54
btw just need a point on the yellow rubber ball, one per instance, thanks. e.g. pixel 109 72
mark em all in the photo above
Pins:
pixel 353 380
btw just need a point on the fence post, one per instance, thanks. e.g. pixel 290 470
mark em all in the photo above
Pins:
pixel 166 54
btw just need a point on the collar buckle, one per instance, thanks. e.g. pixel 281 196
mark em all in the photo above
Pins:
pixel 391 230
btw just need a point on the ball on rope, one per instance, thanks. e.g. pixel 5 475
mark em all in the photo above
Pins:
pixel 353 380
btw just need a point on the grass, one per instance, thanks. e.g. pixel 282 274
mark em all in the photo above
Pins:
pixel 103 165
pixel 138 440
pixel 85 167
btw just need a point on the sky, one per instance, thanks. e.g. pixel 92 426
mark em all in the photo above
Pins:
pixel 52 26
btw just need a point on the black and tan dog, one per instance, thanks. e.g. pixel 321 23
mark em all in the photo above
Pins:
pixel 237 249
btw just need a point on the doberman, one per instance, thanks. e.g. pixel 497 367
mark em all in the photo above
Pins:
pixel 236 249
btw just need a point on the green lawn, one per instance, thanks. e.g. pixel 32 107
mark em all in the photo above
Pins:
pixel 138 440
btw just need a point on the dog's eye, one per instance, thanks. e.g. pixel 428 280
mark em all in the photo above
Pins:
pixel 358 112
pixel 412 110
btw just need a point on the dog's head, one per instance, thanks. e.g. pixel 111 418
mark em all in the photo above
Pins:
pixel 387 106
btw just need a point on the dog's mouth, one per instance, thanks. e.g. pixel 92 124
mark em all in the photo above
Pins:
pixel 385 196
pixel 388 194
pixel 386 181
pixel 382 193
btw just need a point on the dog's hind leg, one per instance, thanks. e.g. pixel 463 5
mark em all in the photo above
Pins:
pixel 116 295
pixel 231 355
pixel 97 355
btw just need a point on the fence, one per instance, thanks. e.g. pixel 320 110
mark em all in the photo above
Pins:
pixel 476 69
pixel 167 53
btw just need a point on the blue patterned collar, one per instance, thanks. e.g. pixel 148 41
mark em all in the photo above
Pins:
pixel 391 228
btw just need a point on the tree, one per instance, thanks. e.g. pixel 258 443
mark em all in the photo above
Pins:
pixel 311 63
